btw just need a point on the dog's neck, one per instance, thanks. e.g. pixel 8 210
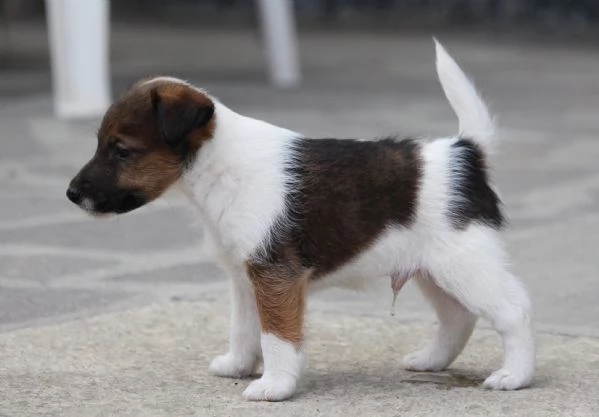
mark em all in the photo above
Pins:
pixel 237 181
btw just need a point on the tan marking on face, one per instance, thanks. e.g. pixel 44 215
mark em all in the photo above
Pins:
pixel 153 173
pixel 160 124
pixel 280 292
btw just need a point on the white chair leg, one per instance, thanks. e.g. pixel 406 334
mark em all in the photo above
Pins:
pixel 278 29
pixel 78 33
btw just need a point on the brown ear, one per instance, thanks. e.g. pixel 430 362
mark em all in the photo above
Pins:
pixel 180 110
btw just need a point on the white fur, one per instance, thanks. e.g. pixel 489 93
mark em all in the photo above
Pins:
pixel 87 204
pixel 238 185
pixel 456 326
pixel 165 79
pixel 244 339
pixel 238 181
pixel 475 121
pixel 283 364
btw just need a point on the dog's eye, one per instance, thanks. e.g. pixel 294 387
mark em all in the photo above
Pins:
pixel 122 153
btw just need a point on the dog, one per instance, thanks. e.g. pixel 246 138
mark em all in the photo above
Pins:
pixel 291 214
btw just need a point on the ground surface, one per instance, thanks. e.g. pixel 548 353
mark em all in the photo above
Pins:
pixel 120 317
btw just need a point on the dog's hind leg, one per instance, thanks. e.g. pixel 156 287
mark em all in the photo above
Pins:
pixel 472 270
pixel 455 327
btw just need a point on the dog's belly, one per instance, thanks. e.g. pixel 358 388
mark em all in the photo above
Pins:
pixel 397 252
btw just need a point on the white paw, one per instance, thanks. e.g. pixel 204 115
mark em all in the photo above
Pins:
pixel 268 388
pixel 232 366
pixel 504 379
pixel 423 360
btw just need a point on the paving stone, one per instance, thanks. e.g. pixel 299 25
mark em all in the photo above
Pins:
pixel 197 273
pixel 134 232
pixel 17 141
pixel 153 362
pixel 19 305
pixel 23 207
pixel 44 268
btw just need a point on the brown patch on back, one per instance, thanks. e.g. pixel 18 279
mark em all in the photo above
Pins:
pixel 342 197
pixel 280 291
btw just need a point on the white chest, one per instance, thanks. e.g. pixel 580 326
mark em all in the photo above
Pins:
pixel 239 184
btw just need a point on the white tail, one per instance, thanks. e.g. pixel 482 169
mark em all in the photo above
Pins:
pixel 475 121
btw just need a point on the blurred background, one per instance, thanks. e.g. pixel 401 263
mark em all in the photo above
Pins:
pixel 155 36
pixel 351 68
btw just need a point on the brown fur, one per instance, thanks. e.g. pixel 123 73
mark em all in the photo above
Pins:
pixel 345 193
pixel 158 123
pixel 280 292
pixel 343 196
pixel 153 174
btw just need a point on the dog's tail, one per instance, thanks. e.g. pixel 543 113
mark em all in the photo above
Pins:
pixel 475 121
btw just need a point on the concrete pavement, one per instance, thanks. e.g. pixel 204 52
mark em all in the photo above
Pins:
pixel 120 317
pixel 152 361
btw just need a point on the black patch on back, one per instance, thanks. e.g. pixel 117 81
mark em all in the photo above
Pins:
pixel 474 199
pixel 342 195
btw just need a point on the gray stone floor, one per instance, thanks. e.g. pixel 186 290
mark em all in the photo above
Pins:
pixel 59 266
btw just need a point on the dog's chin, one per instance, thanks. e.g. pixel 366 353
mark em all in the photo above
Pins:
pixel 128 203
pixel 112 208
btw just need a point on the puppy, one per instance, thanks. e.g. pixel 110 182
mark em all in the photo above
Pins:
pixel 291 213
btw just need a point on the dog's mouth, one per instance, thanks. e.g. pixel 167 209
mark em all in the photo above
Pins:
pixel 102 204
pixel 127 203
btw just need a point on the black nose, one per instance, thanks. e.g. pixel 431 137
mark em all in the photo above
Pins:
pixel 74 195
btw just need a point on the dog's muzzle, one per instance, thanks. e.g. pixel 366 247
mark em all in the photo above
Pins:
pixel 97 201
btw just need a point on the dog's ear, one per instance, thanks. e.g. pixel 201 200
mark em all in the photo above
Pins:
pixel 179 111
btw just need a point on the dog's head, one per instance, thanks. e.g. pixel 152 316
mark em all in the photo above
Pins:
pixel 146 140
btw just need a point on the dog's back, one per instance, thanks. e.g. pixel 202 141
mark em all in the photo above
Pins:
pixel 348 199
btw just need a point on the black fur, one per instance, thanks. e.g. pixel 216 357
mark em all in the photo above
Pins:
pixel 475 200
pixel 342 195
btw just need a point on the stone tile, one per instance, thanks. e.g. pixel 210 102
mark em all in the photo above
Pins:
pixel 18 305
pixel 66 171
pixel 558 262
pixel 153 362
pixel 194 273
pixel 43 268
pixel 376 299
pixel 12 188
pixel 24 206
pixel 17 142
pixel 134 232
pixel 515 182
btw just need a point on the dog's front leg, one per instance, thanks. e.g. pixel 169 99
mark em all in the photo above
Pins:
pixel 244 339
pixel 280 292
